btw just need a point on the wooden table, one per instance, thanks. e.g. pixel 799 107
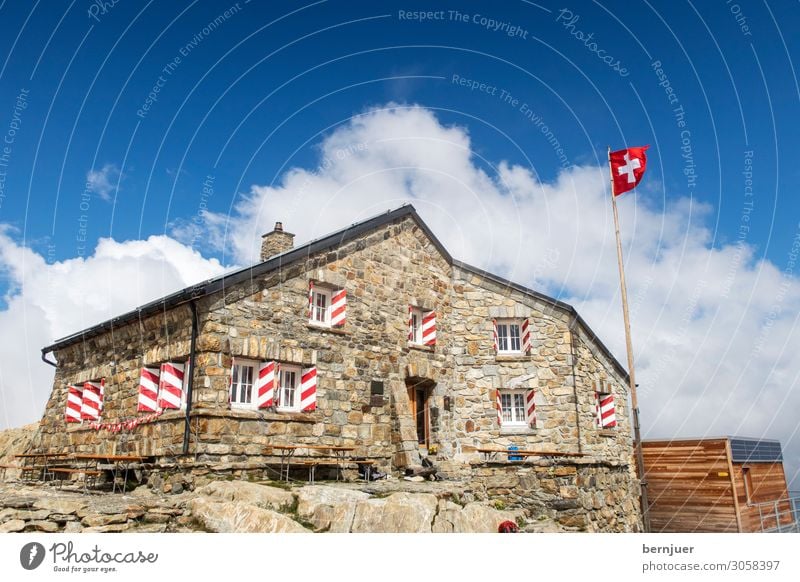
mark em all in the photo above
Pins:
pixel 492 453
pixel 287 452
pixel 119 463
pixel 29 460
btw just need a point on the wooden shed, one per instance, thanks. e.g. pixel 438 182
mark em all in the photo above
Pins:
pixel 725 484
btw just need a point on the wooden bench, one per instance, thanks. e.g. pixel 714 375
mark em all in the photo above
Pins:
pixel 88 475
pixel 312 465
pixel 3 469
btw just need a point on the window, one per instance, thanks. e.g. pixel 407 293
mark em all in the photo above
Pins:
pixel 748 484
pixel 326 306
pixel 606 413
pixel 517 408
pixel 414 325
pixel 242 380
pixel 289 388
pixel 508 336
pixel 320 306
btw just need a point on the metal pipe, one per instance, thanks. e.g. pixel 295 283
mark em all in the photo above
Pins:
pixel 46 361
pixel 190 384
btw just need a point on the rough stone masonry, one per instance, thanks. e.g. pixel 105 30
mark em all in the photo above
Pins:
pixel 378 389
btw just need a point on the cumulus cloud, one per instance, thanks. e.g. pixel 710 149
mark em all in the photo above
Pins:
pixel 103 181
pixel 49 301
pixel 713 326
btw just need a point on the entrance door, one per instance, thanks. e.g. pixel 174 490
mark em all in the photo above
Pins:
pixel 419 395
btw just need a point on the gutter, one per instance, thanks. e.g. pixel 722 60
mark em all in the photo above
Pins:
pixel 190 384
pixel 45 351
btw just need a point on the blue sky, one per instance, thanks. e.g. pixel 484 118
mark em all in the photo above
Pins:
pixel 186 119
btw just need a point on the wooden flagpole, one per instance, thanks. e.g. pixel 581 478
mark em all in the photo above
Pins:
pixel 637 444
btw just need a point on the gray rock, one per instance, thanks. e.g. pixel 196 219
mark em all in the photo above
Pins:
pixel 111 528
pixel 246 492
pixel 103 519
pixel 60 504
pixel 73 527
pixel 19 501
pixel 40 525
pixel 237 517
pixel 12 526
pixel 329 508
pixel 397 513
pixel 474 518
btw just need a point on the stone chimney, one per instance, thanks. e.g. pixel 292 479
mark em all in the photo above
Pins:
pixel 276 242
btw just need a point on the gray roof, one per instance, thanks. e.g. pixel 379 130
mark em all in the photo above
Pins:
pixel 313 247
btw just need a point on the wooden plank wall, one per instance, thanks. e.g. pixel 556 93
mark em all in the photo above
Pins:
pixel 689 486
pixel 769 485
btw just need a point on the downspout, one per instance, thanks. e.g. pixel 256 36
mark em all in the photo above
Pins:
pixel 46 361
pixel 575 382
pixel 190 384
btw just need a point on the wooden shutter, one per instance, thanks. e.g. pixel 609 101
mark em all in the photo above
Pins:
pixel 265 386
pixel 308 390
pixel 148 390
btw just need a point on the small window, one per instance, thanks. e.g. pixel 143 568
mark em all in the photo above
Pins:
pixel 289 388
pixel 327 306
pixel 321 306
pixel 509 340
pixel 415 325
pixel 242 380
pixel 748 484
pixel 512 405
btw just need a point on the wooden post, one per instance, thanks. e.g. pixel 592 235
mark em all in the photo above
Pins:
pixel 637 439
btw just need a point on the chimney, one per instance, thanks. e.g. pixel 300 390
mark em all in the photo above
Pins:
pixel 276 242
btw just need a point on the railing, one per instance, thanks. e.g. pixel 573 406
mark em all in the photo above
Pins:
pixel 780 516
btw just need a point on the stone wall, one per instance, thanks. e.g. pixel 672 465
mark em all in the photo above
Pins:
pixel 384 271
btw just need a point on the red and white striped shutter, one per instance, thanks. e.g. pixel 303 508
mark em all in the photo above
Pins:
pixel 265 386
pixel 429 328
pixel 339 308
pixel 91 401
pixel 74 403
pixel 608 417
pixel 526 336
pixel 530 408
pixel 308 390
pixel 410 323
pixel 499 406
pixel 311 301
pixel 170 388
pixel 148 390
pixel 494 336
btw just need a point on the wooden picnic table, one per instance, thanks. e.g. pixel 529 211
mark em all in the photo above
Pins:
pixel 29 462
pixel 121 464
pixel 490 453
pixel 287 452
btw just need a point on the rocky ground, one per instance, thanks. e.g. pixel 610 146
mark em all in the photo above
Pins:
pixel 243 506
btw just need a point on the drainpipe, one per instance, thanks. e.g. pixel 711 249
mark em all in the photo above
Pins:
pixel 190 384
pixel 575 382
pixel 46 361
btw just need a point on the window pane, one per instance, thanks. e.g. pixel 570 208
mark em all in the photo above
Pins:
pixel 505 405
pixel 519 408
pixel 321 303
pixel 514 330
pixel 502 337
pixel 415 330
pixel 288 390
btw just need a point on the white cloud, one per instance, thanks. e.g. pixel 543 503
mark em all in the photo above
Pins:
pixel 49 301
pixel 103 181
pixel 713 327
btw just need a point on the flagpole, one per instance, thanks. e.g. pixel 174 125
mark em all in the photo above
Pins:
pixel 637 439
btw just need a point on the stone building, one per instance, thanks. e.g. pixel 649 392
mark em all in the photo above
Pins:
pixel 373 337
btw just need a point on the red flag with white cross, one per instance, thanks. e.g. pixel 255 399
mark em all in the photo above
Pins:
pixel 627 168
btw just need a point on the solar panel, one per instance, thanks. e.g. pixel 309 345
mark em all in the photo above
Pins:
pixel 755 451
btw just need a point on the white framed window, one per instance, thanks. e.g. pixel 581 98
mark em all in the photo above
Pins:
pixel 415 325
pixel 289 388
pixel 509 339
pixel 512 405
pixel 243 377
pixel 321 306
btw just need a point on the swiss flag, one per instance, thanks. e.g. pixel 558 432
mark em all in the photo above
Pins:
pixel 627 168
